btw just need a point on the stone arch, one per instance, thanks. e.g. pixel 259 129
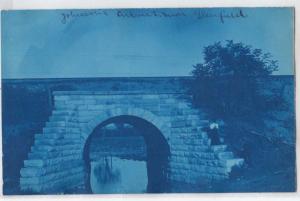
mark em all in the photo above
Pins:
pixel 104 117
pixel 161 123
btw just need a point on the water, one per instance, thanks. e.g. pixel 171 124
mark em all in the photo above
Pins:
pixel 115 175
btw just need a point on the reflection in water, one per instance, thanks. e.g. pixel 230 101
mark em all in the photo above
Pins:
pixel 115 175
pixel 129 157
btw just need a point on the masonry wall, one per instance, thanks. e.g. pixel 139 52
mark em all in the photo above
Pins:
pixel 77 114
pixel 22 116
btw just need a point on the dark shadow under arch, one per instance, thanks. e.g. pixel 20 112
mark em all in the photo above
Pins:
pixel 158 152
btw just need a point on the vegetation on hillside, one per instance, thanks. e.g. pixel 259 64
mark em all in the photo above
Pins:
pixel 259 126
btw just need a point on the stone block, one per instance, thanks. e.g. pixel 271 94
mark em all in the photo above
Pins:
pixel 55 118
pixel 225 155
pixel 62 112
pixel 89 102
pixel 72 130
pixel 96 107
pixel 50 135
pixel 76 102
pixel 88 97
pixel 64 107
pixel 50 177
pixel 178 123
pixel 219 148
pixel 60 103
pixel 56 124
pixel 47 130
pixel 84 119
pixel 42 141
pixel 166 96
pixel 50 148
pixel 36 172
pixel 74 97
pixel 42 148
pixel 33 163
pixel 150 96
pixel 88 113
pixel 54 154
pixel 61 98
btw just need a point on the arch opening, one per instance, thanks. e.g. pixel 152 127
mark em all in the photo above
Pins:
pixel 126 143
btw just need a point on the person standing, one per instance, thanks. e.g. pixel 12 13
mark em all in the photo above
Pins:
pixel 213 133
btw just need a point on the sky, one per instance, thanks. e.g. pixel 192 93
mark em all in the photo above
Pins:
pixel 140 42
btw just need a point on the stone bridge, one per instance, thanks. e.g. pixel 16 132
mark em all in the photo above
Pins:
pixel 57 162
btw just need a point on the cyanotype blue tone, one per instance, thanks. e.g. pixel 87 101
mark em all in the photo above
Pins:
pixel 148 101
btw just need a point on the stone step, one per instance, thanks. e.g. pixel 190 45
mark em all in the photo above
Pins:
pixel 55 147
pixel 73 136
pixel 187 141
pixel 33 163
pixel 45 141
pixel 203 155
pixel 205 178
pixel 182 97
pixel 47 130
pixel 202 123
pixel 49 136
pixel 186 129
pixel 51 130
pixel 194 179
pixel 208 162
pixel 55 136
pixel 188 169
pixel 37 171
pixel 55 124
pixel 219 148
pixel 187 124
pixel 191 135
pixel 225 155
pixel 41 148
pixel 197 137
pixel 201 148
pixel 58 118
pixel 175 112
pixel 50 177
pixel 188 114
pixel 184 105
pixel 57 186
pixel 51 161
pixel 230 163
pixel 54 154
pixel 185 137
pixel 73 130
pixel 64 107
pixel 198 161
pixel 71 124
pixel 187 117
pixel 62 112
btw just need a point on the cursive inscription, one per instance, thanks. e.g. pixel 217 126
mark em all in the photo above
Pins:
pixel 221 14
pixel 65 17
